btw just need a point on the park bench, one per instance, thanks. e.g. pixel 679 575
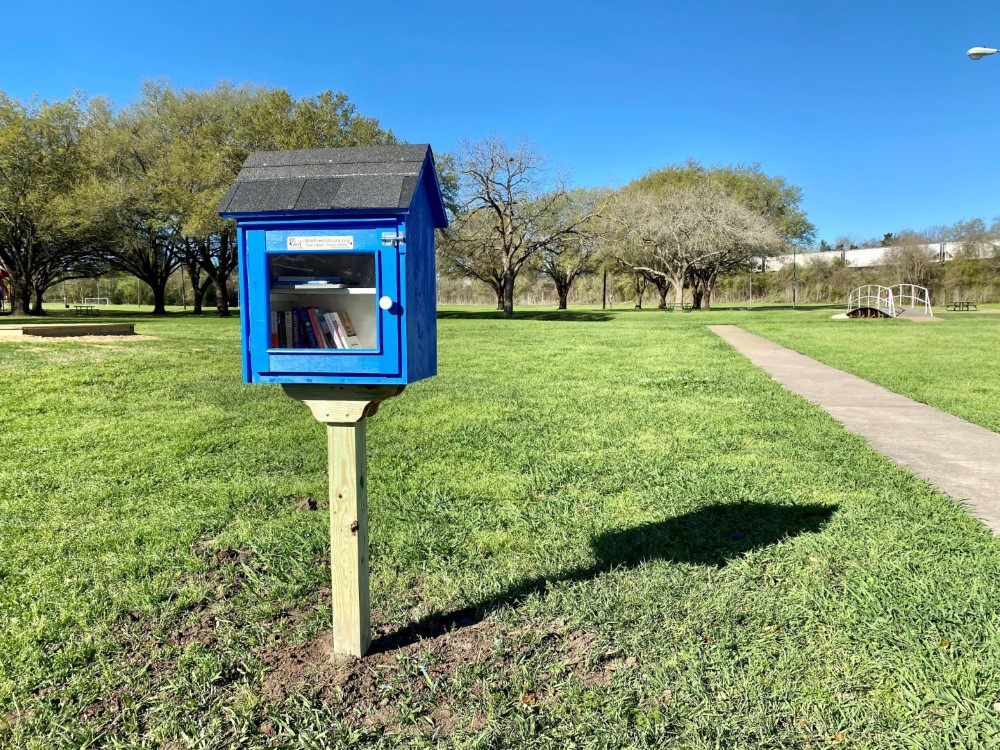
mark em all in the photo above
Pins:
pixel 962 305
pixel 85 309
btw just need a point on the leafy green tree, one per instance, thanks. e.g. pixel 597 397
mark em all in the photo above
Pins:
pixel 772 197
pixel 164 163
pixel 130 196
pixel 41 163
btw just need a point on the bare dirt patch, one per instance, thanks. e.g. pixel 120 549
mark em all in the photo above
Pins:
pixel 369 688
pixel 314 666
pixel 425 670
pixel 309 503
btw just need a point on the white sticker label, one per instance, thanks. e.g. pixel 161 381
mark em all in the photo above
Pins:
pixel 321 243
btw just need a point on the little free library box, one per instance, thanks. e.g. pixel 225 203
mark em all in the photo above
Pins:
pixel 337 264
pixel 336 250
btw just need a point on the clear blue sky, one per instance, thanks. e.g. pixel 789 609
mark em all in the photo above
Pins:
pixel 871 107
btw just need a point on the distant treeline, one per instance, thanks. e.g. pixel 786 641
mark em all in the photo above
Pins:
pixel 976 279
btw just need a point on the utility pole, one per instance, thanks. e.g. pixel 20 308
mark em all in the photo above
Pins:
pixel 794 276
pixel 604 293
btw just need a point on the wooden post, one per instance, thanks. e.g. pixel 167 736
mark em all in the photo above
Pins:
pixel 344 410
pixel 349 538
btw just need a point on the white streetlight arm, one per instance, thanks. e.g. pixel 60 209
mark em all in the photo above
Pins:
pixel 978 53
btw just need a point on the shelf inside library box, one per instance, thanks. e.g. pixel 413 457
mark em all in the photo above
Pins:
pixel 323 289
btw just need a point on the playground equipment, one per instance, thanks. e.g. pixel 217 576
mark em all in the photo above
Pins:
pixel 875 301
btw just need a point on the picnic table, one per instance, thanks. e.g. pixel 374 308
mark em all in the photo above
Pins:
pixel 85 309
pixel 958 306
pixel 685 306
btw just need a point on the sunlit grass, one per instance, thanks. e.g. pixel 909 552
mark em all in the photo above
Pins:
pixel 746 573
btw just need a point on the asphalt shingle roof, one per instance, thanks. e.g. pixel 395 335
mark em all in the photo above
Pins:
pixel 365 177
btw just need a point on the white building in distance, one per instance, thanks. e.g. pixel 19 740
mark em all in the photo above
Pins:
pixel 868 257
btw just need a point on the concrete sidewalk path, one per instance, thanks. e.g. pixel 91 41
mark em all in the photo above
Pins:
pixel 959 458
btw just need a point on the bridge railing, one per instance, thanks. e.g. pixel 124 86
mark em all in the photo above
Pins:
pixel 917 298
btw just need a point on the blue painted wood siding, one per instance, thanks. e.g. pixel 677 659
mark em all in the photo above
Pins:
pixel 382 364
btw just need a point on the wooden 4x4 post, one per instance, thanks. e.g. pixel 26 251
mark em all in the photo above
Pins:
pixel 344 410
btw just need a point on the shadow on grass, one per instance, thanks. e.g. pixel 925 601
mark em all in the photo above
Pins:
pixel 572 316
pixel 786 308
pixel 710 536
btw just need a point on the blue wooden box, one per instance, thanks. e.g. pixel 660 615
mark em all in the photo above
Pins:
pixel 337 277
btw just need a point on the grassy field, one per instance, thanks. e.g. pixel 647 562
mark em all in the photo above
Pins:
pixel 591 530
pixel 950 365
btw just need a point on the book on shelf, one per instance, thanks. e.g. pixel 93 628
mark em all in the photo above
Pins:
pixel 348 337
pixel 313 328
pixel 307 336
pixel 351 337
pixel 282 330
pixel 317 330
pixel 296 340
pixel 324 326
pixel 338 336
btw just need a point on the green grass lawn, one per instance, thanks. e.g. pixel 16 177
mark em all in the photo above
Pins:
pixel 591 530
pixel 953 365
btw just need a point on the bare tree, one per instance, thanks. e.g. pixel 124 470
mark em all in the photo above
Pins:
pixel 576 254
pixel 742 238
pixel 508 212
pixel 909 259
pixel 694 230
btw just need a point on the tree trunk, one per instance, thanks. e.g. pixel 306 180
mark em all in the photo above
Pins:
pixel 678 285
pixel 36 301
pixel 498 290
pixel 706 292
pixel 508 294
pixel 222 296
pixel 661 289
pixel 198 299
pixel 697 295
pixel 22 297
pixel 562 290
pixel 197 288
pixel 159 297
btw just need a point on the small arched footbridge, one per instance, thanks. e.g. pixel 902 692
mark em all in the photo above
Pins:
pixel 876 301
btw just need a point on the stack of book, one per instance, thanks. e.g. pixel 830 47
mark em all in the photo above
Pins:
pixel 312 328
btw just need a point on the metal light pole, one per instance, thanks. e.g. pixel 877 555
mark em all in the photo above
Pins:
pixel 794 275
